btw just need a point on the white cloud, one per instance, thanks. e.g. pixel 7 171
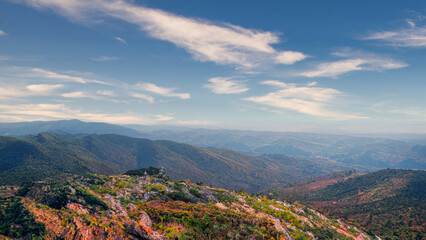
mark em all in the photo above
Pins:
pixel 143 97
pixel 275 83
pixel 220 85
pixel 219 43
pixel 289 57
pixel 413 36
pixel 98 96
pixel 104 59
pixel 32 112
pixel 10 92
pixel 43 88
pixel 356 61
pixel 120 40
pixel 105 93
pixel 76 94
pixel 166 92
pixel 14 92
pixel 2 33
pixel 303 99
pixel 38 72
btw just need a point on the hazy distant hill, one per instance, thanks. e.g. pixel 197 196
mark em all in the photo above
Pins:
pixel 390 203
pixel 373 153
pixel 370 152
pixel 64 127
pixel 48 154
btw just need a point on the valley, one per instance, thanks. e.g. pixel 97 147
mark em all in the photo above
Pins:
pixel 390 203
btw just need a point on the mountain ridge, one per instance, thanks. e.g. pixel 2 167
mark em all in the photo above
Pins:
pixel 114 154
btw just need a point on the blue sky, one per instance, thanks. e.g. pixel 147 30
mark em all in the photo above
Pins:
pixel 261 65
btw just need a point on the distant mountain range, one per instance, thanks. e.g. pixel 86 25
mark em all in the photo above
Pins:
pixel 390 203
pixel 65 127
pixel 36 157
pixel 374 153
pixel 371 153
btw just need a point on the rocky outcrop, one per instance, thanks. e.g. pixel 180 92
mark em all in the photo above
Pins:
pixel 123 207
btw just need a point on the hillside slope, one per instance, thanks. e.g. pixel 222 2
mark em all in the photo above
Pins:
pixel 50 154
pixel 391 202
pixel 366 152
pixel 152 207
pixel 357 151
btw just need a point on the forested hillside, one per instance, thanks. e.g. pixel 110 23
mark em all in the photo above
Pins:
pixel 38 156
pixel 390 203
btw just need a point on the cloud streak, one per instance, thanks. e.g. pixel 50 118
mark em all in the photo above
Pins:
pixel 413 36
pixel 32 112
pixel 104 59
pixel 165 92
pixel 12 92
pixel 120 40
pixel 39 72
pixel 2 33
pixel 355 61
pixel 43 88
pixel 144 97
pixel 305 99
pixel 220 43
pixel 220 85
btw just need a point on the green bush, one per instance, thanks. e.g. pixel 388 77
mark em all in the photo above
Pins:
pixel 91 199
pixel 13 213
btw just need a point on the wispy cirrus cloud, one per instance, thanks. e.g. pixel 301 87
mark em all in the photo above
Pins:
pixel 2 33
pixel 306 99
pixel 43 88
pixel 355 61
pixel 77 94
pixel 104 59
pixel 14 92
pixel 32 112
pixel 16 77
pixel 105 93
pixel 223 85
pixel 43 73
pixel 165 92
pixel 120 40
pixel 205 41
pixel 98 95
pixel 411 36
pixel 144 97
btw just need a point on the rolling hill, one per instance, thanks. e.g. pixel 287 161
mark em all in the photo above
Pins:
pixel 36 157
pixel 390 203
pixel 373 153
pixel 365 152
